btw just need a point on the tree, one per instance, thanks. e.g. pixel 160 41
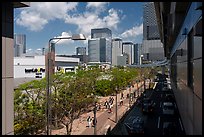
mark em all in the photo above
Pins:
pixel 29 107
pixel 74 96
pixel 103 87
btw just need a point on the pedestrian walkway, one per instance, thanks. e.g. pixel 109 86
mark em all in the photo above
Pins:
pixel 104 118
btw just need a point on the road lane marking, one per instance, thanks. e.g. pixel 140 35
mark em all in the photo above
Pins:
pixel 158 122
pixel 180 124
pixel 160 104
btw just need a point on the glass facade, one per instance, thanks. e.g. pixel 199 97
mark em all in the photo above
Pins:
pixel 137 53
pixel 151 37
pixel 81 51
pixel 19 44
pixel 150 29
pixel 184 42
pixel 107 34
pixel 94 50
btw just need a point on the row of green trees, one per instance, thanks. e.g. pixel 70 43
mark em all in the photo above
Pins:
pixel 72 94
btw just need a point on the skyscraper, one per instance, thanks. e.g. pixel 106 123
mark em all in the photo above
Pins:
pixel 19 44
pixel 150 29
pixel 151 37
pixel 107 35
pixel 137 53
pixel 97 50
pixel 128 50
pixel 116 50
pixel 81 51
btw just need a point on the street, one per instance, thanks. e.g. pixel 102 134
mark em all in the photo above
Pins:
pixel 153 122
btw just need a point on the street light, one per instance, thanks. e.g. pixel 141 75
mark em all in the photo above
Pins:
pixel 48 103
pixel 116 107
pixel 129 93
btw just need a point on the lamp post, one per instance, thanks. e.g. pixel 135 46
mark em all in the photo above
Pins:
pixel 129 94
pixel 95 121
pixel 48 76
pixel 116 105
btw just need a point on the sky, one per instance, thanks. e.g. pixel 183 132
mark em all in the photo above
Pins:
pixel 45 20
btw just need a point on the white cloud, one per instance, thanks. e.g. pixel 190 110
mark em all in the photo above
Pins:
pixel 99 5
pixel 112 19
pixel 89 20
pixel 63 41
pixel 31 20
pixel 135 31
pixel 39 14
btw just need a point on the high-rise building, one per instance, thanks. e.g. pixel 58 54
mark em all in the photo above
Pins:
pixel 122 60
pixel 19 44
pixel 107 34
pixel 150 29
pixel 81 51
pixel 151 37
pixel 101 33
pixel 97 50
pixel 116 50
pixel 137 53
pixel 128 50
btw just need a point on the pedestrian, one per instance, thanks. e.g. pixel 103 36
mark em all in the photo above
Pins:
pixel 106 104
pixel 127 95
pixel 110 106
pixel 131 97
pixel 122 96
pixel 112 99
pixel 89 120
pixel 109 99
pixel 121 102
pixel 99 106
pixel 96 107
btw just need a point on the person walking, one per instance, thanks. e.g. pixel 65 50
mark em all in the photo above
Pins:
pixel 122 95
pixel 127 95
pixel 106 104
pixel 110 106
pixel 89 120
pixel 121 102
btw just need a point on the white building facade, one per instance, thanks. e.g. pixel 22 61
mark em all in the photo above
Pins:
pixel 116 50
pixel 34 66
pixel 128 51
